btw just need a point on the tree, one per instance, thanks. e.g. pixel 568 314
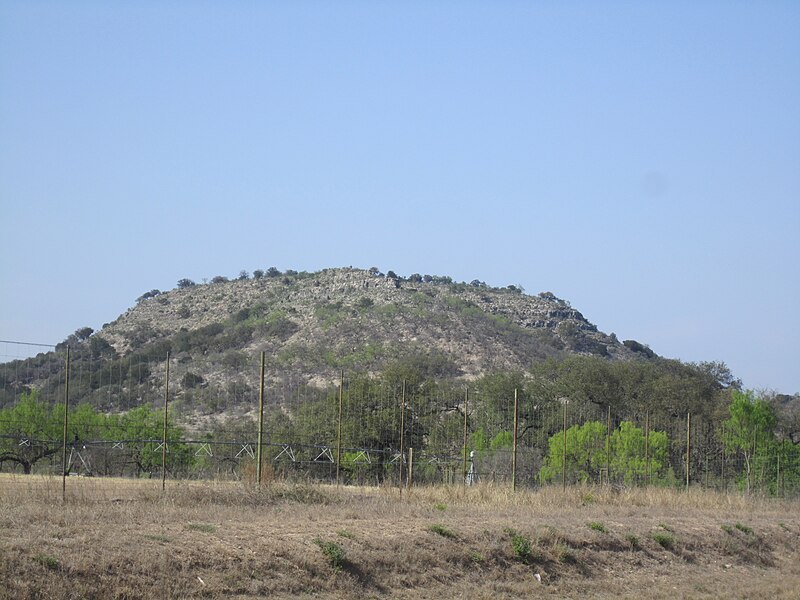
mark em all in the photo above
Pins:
pixel 185 283
pixel 219 279
pixel 273 272
pixel 29 432
pixel 633 457
pixel 750 429
pixel 243 275
pixel 586 452
pixel 258 274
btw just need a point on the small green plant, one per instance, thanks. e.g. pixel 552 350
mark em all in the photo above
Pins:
pixel 443 531
pixel 727 529
pixel 47 561
pixel 333 552
pixel 632 540
pixel 597 526
pixel 345 534
pixel 784 526
pixel 588 498
pixel 158 538
pixel 521 544
pixel 666 527
pixel 476 557
pixel 665 540
pixel 204 527
pixel 744 528
pixel 440 506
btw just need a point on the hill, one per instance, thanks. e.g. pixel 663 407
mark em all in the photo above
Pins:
pixel 313 324
pixel 310 326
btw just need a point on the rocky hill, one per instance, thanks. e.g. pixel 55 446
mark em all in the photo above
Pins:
pixel 312 324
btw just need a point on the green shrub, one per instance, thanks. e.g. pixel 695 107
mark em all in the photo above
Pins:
pixel 333 552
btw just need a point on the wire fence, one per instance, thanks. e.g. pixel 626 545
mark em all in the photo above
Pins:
pixel 138 416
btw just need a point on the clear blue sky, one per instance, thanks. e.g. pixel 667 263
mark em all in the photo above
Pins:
pixel 641 160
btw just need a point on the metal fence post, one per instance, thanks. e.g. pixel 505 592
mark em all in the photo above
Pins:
pixel 64 440
pixel 339 428
pixel 164 438
pixel 514 451
pixel 260 420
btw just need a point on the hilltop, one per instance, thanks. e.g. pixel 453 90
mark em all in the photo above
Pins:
pixel 312 324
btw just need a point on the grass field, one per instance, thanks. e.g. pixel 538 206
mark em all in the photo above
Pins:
pixel 125 539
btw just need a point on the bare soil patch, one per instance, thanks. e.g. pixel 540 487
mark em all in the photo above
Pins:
pixel 125 539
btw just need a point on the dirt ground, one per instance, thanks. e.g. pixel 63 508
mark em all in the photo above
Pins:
pixel 125 539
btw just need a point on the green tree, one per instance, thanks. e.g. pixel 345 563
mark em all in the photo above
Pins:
pixel 630 455
pixel 29 431
pixel 750 430
pixel 585 456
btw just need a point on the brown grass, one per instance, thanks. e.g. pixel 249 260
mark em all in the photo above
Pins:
pixel 125 539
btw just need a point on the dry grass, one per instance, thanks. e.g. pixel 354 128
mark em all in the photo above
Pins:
pixel 125 539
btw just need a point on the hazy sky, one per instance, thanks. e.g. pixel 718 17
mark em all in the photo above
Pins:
pixel 641 160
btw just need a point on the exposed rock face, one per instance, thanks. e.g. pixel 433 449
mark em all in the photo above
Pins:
pixel 312 323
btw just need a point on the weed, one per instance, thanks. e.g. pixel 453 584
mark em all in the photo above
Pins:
pixel 440 506
pixel 47 561
pixel 597 526
pixel 443 531
pixel 333 552
pixel 345 534
pixel 727 529
pixel 204 527
pixel 158 538
pixel 666 527
pixel 588 498
pixel 744 528
pixel 521 545
pixel 633 540
pixel 784 526
pixel 665 540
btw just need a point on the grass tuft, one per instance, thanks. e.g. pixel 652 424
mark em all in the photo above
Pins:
pixel 633 540
pixel 597 526
pixel 345 534
pixel 443 531
pixel 744 528
pixel 665 540
pixel 47 561
pixel 204 527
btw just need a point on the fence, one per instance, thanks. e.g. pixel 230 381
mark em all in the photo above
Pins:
pixel 86 413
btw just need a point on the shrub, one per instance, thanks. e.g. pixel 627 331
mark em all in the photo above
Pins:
pixel 333 552
pixel 665 540
pixel 185 283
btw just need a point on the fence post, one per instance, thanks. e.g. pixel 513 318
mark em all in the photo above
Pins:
pixel 339 428
pixel 688 447
pixel 647 448
pixel 514 451
pixel 164 437
pixel 402 433
pixel 410 478
pixel 464 465
pixel 260 420
pixel 608 448
pixel 64 440
pixel 564 401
